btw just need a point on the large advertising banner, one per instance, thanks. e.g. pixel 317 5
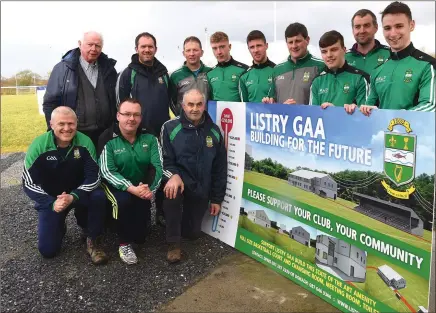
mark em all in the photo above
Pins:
pixel 341 204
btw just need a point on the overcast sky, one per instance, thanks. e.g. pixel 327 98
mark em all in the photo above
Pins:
pixel 34 35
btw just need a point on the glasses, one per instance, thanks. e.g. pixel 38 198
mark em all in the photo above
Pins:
pixel 129 115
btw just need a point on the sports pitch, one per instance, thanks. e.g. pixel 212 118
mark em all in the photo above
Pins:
pixel 339 207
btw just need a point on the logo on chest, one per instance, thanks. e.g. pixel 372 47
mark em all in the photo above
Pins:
pixel 270 80
pixel 144 147
pixel 119 151
pixel 184 83
pixel 346 88
pixel 213 79
pixel 160 80
pixel 408 76
pixel 209 142
pixel 76 153
pixel 234 77
pixel 248 83
pixel 380 79
pixel 380 60
pixel 51 158
pixel 323 91
pixel 306 76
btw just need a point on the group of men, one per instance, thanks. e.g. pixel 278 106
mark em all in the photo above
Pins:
pixel 111 147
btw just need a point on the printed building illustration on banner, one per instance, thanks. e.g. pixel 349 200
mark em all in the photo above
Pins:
pixel 282 229
pixel 340 258
pixel 301 235
pixel 318 183
pixel 260 218
pixel 396 215
pixel 391 277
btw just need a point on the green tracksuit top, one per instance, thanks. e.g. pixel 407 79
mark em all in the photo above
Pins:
pixel 348 85
pixel 123 164
pixel 367 63
pixel 256 82
pixel 406 81
pixel 183 79
pixel 224 80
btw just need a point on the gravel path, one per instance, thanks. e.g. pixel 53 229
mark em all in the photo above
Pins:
pixel 70 282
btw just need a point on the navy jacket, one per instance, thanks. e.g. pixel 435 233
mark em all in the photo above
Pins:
pixel 47 173
pixel 148 85
pixel 63 84
pixel 197 154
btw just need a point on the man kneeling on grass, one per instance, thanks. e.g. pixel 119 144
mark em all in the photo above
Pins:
pixel 61 173
pixel 129 154
pixel 195 167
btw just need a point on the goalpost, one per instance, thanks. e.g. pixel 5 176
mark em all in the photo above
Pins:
pixel 18 90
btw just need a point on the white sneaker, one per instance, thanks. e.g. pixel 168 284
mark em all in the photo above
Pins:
pixel 127 254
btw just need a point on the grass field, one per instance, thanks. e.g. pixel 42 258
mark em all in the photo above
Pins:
pixel 281 240
pixel 416 291
pixel 20 122
pixel 340 207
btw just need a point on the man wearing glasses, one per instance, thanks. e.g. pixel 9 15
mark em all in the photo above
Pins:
pixel 131 166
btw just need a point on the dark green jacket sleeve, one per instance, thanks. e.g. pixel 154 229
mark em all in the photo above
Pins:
pixel 426 100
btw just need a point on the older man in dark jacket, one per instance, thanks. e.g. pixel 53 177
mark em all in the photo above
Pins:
pixel 195 170
pixel 85 81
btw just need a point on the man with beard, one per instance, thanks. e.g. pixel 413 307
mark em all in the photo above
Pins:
pixel 407 80
pixel 146 79
pixel 292 78
pixel 193 73
pixel 367 53
pixel 255 83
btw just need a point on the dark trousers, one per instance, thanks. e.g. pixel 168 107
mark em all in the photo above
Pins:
pixel 52 228
pixel 134 217
pixel 183 216
pixel 159 198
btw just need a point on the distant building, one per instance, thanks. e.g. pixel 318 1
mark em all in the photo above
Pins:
pixel 301 235
pixel 260 218
pixel 282 228
pixel 342 256
pixel 395 215
pixel 318 183
pixel 391 277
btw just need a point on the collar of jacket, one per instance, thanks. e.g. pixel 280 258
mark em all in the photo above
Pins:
pixel 340 70
pixel 186 68
pixel 377 46
pixel 117 132
pixel 403 53
pixel 71 59
pixel 157 69
pixel 205 119
pixel 301 60
pixel 228 63
pixel 267 63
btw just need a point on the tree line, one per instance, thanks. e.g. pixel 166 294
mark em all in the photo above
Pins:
pixel 365 182
pixel 25 78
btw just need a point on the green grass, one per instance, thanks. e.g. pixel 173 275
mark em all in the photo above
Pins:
pixel 20 122
pixel 339 207
pixel 281 240
pixel 416 291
